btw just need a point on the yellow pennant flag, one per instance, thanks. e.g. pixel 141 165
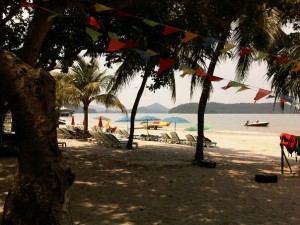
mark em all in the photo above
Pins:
pixel 150 52
pixel 113 35
pixel 53 16
pixel 189 36
pixel 188 70
pixel 93 34
pixel 99 7
pixel 260 55
pixel 227 47
pixel 297 67
pixel 243 88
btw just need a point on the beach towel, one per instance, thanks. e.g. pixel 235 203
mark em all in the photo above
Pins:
pixel 289 141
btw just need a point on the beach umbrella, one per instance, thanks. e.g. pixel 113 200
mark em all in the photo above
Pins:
pixel 124 119
pixel 102 117
pixel 147 119
pixel 73 121
pixel 175 120
pixel 100 124
pixel 194 127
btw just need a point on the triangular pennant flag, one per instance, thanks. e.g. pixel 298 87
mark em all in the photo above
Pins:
pixel 189 36
pixel 113 35
pixel 169 30
pixel 25 4
pixel 243 88
pixel 131 44
pixel 188 70
pixel 246 51
pixel 53 16
pixel 261 93
pixel 201 73
pixel 297 67
pixel 260 56
pixel 94 23
pixel 99 7
pixel 144 54
pixel 282 60
pixel 121 13
pixel 227 47
pixel 287 98
pixel 93 34
pixel 208 42
pixel 151 53
pixel 115 45
pixel 214 78
pixel 150 22
pixel 282 100
pixel 165 64
pixel 271 96
pixel 229 85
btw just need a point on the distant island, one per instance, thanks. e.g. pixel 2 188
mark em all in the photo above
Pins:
pixel 211 108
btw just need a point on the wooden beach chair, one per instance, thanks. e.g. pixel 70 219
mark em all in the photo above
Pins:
pixel 166 138
pixel 118 142
pixel 190 140
pixel 176 138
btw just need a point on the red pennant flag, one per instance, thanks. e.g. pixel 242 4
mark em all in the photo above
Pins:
pixel 214 78
pixel 165 64
pixel 131 44
pixel 24 3
pixel 261 93
pixel 201 73
pixel 169 30
pixel 115 45
pixel 282 60
pixel 94 23
pixel 282 100
pixel 121 13
pixel 246 51
pixel 229 85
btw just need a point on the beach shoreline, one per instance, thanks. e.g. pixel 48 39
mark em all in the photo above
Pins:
pixel 157 183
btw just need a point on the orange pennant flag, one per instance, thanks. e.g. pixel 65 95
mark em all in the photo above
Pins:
pixel 261 93
pixel 165 64
pixel 99 7
pixel 201 73
pixel 94 23
pixel 169 30
pixel 189 36
pixel 115 45
pixel 297 67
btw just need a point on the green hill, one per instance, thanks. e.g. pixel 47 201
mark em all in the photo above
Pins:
pixel 243 108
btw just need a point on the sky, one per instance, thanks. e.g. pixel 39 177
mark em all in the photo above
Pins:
pixel 226 70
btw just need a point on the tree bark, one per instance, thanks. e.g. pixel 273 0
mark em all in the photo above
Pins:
pixel 135 107
pixel 85 118
pixel 37 192
pixel 199 154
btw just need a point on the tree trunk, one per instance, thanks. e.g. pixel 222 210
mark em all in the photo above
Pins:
pixel 37 192
pixel 135 107
pixel 85 118
pixel 199 155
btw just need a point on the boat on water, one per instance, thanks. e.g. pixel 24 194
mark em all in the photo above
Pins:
pixel 155 124
pixel 256 124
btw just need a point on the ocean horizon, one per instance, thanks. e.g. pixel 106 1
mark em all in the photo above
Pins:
pixel 227 123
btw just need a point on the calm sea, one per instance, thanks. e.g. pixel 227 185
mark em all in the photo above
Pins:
pixel 230 123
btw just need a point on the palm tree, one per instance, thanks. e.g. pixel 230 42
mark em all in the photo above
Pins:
pixel 86 84
pixel 251 24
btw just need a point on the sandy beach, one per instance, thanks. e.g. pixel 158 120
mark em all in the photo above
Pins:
pixel 157 184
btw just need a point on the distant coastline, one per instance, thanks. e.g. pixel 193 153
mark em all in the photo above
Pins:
pixel 211 108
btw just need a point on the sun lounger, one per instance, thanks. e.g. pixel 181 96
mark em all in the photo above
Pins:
pixel 208 143
pixel 166 138
pixel 190 140
pixel 176 138
pixel 119 142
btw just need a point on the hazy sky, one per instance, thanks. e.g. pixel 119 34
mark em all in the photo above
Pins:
pixel 226 70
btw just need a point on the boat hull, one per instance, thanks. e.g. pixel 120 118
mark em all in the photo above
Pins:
pixel 261 124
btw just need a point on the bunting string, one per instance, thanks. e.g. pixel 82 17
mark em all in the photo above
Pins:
pixel 166 63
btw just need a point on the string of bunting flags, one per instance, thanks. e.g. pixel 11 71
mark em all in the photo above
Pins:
pixel 166 63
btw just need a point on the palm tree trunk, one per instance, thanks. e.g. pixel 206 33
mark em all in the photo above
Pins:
pixel 199 154
pixel 37 192
pixel 135 107
pixel 85 119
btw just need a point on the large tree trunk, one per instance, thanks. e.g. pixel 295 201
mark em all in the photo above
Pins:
pixel 37 192
pixel 85 118
pixel 134 109
pixel 199 155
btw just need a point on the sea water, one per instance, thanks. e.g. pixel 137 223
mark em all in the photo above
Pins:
pixel 230 123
